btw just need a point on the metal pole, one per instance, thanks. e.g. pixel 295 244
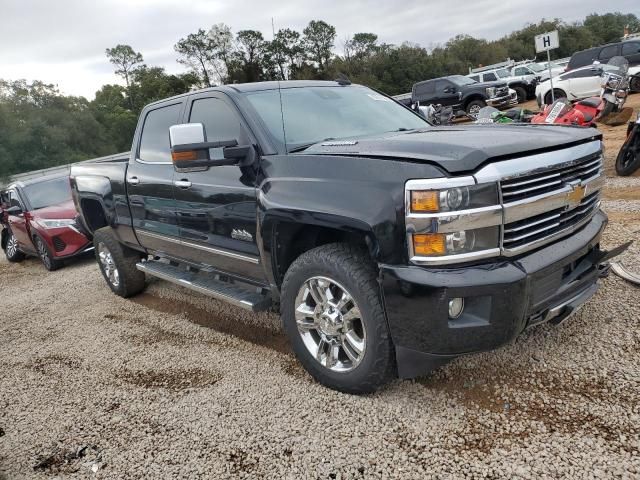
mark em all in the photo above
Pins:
pixel 553 97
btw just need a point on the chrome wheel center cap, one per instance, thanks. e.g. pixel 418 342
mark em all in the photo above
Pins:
pixel 330 322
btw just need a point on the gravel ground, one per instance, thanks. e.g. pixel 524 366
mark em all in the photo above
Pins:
pixel 172 384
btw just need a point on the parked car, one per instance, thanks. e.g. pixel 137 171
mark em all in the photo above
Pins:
pixel 388 246
pixel 575 84
pixel 540 70
pixel 629 48
pixel 39 219
pixel 464 95
pixel 524 85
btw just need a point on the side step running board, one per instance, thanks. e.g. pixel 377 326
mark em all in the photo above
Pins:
pixel 206 284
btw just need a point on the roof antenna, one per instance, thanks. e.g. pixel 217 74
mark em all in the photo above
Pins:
pixel 342 79
pixel 284 130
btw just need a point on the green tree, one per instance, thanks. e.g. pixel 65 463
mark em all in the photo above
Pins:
pixel 197 51
pixel 319 38
pixel 125 59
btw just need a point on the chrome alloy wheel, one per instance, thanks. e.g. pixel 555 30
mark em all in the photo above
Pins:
pixel 12 246
pixel 474 111
pixel 108 265
pixel 43 254
pixel 330 324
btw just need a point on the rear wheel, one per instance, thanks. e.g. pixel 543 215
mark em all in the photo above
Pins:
pixel 628 159
pixel 118 264
pixel 333 315
pixel 11 249
pixel 48 260
pixel 474 107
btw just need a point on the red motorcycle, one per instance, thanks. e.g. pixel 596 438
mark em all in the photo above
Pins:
pixel 562 112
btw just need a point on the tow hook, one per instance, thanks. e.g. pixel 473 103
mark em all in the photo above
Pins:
pixel 603 270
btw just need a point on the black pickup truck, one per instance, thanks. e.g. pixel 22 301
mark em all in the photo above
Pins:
pixel 389 246
pixel 464 95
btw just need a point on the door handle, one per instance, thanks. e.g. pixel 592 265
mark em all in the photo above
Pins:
pixel 133 180
pixel 182 183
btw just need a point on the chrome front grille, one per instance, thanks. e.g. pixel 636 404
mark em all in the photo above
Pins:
pixel 545 204
pixel 538 183
pixel 520 234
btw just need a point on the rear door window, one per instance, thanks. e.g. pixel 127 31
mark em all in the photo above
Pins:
pixel 154 141
pixel 425 89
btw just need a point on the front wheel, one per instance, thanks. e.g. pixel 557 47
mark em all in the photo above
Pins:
pixel 333 315
pixel 557 93
pixel 607 110
pixel 522 94
pixel 628 159
pixel 49 262
pixel 118 264
pixel 474 107
pixel 11 249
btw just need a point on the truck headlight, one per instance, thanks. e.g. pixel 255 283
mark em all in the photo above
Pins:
pixel 55 223
pixel 455 198
pixel 452 220
pixel 491 92
pixel 455 243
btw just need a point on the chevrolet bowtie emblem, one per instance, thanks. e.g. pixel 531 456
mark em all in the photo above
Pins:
pixel 576 195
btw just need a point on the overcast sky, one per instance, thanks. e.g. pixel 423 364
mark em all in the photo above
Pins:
pixel 63 41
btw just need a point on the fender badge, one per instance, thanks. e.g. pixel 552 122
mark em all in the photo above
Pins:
pixel 238 234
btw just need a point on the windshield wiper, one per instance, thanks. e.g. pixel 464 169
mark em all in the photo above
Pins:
pixel 302 148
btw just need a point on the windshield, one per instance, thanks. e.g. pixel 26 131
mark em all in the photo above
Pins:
pixel 461 81
pixel 48 193
pixel 503 73
pixel 536 67
pixel 314 114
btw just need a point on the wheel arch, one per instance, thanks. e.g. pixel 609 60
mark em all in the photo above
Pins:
pixel 285 239
pixel 473 97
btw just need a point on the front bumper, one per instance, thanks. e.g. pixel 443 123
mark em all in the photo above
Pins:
pixel 65 242
pixel 500 102
pixel 501 298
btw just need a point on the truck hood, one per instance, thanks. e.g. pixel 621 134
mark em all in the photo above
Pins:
pixel 459 149
pixel 66 210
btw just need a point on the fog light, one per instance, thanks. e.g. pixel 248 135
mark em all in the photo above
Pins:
pixel 456 305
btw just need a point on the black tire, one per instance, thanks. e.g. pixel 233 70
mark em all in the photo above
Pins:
pixel 473 108
pixel 127 280
pixel 628 159
pixel 607 110
pixel 557 94
pixel 634 84
pixel 12 253
pixel 45 255
pixel 521 93
pixel 352 269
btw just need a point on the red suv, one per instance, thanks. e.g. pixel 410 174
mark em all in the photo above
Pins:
pixel 39 218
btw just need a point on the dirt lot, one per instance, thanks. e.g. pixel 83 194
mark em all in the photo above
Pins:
pixel 171 384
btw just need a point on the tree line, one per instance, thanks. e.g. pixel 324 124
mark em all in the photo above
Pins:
pixel 39 127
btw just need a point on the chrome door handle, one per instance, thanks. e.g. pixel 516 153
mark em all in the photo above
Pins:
pixel 182 183
pixel 133 180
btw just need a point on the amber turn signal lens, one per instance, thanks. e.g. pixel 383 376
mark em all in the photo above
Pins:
pixel 424 201
pixel 188 155
pixel 429 244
